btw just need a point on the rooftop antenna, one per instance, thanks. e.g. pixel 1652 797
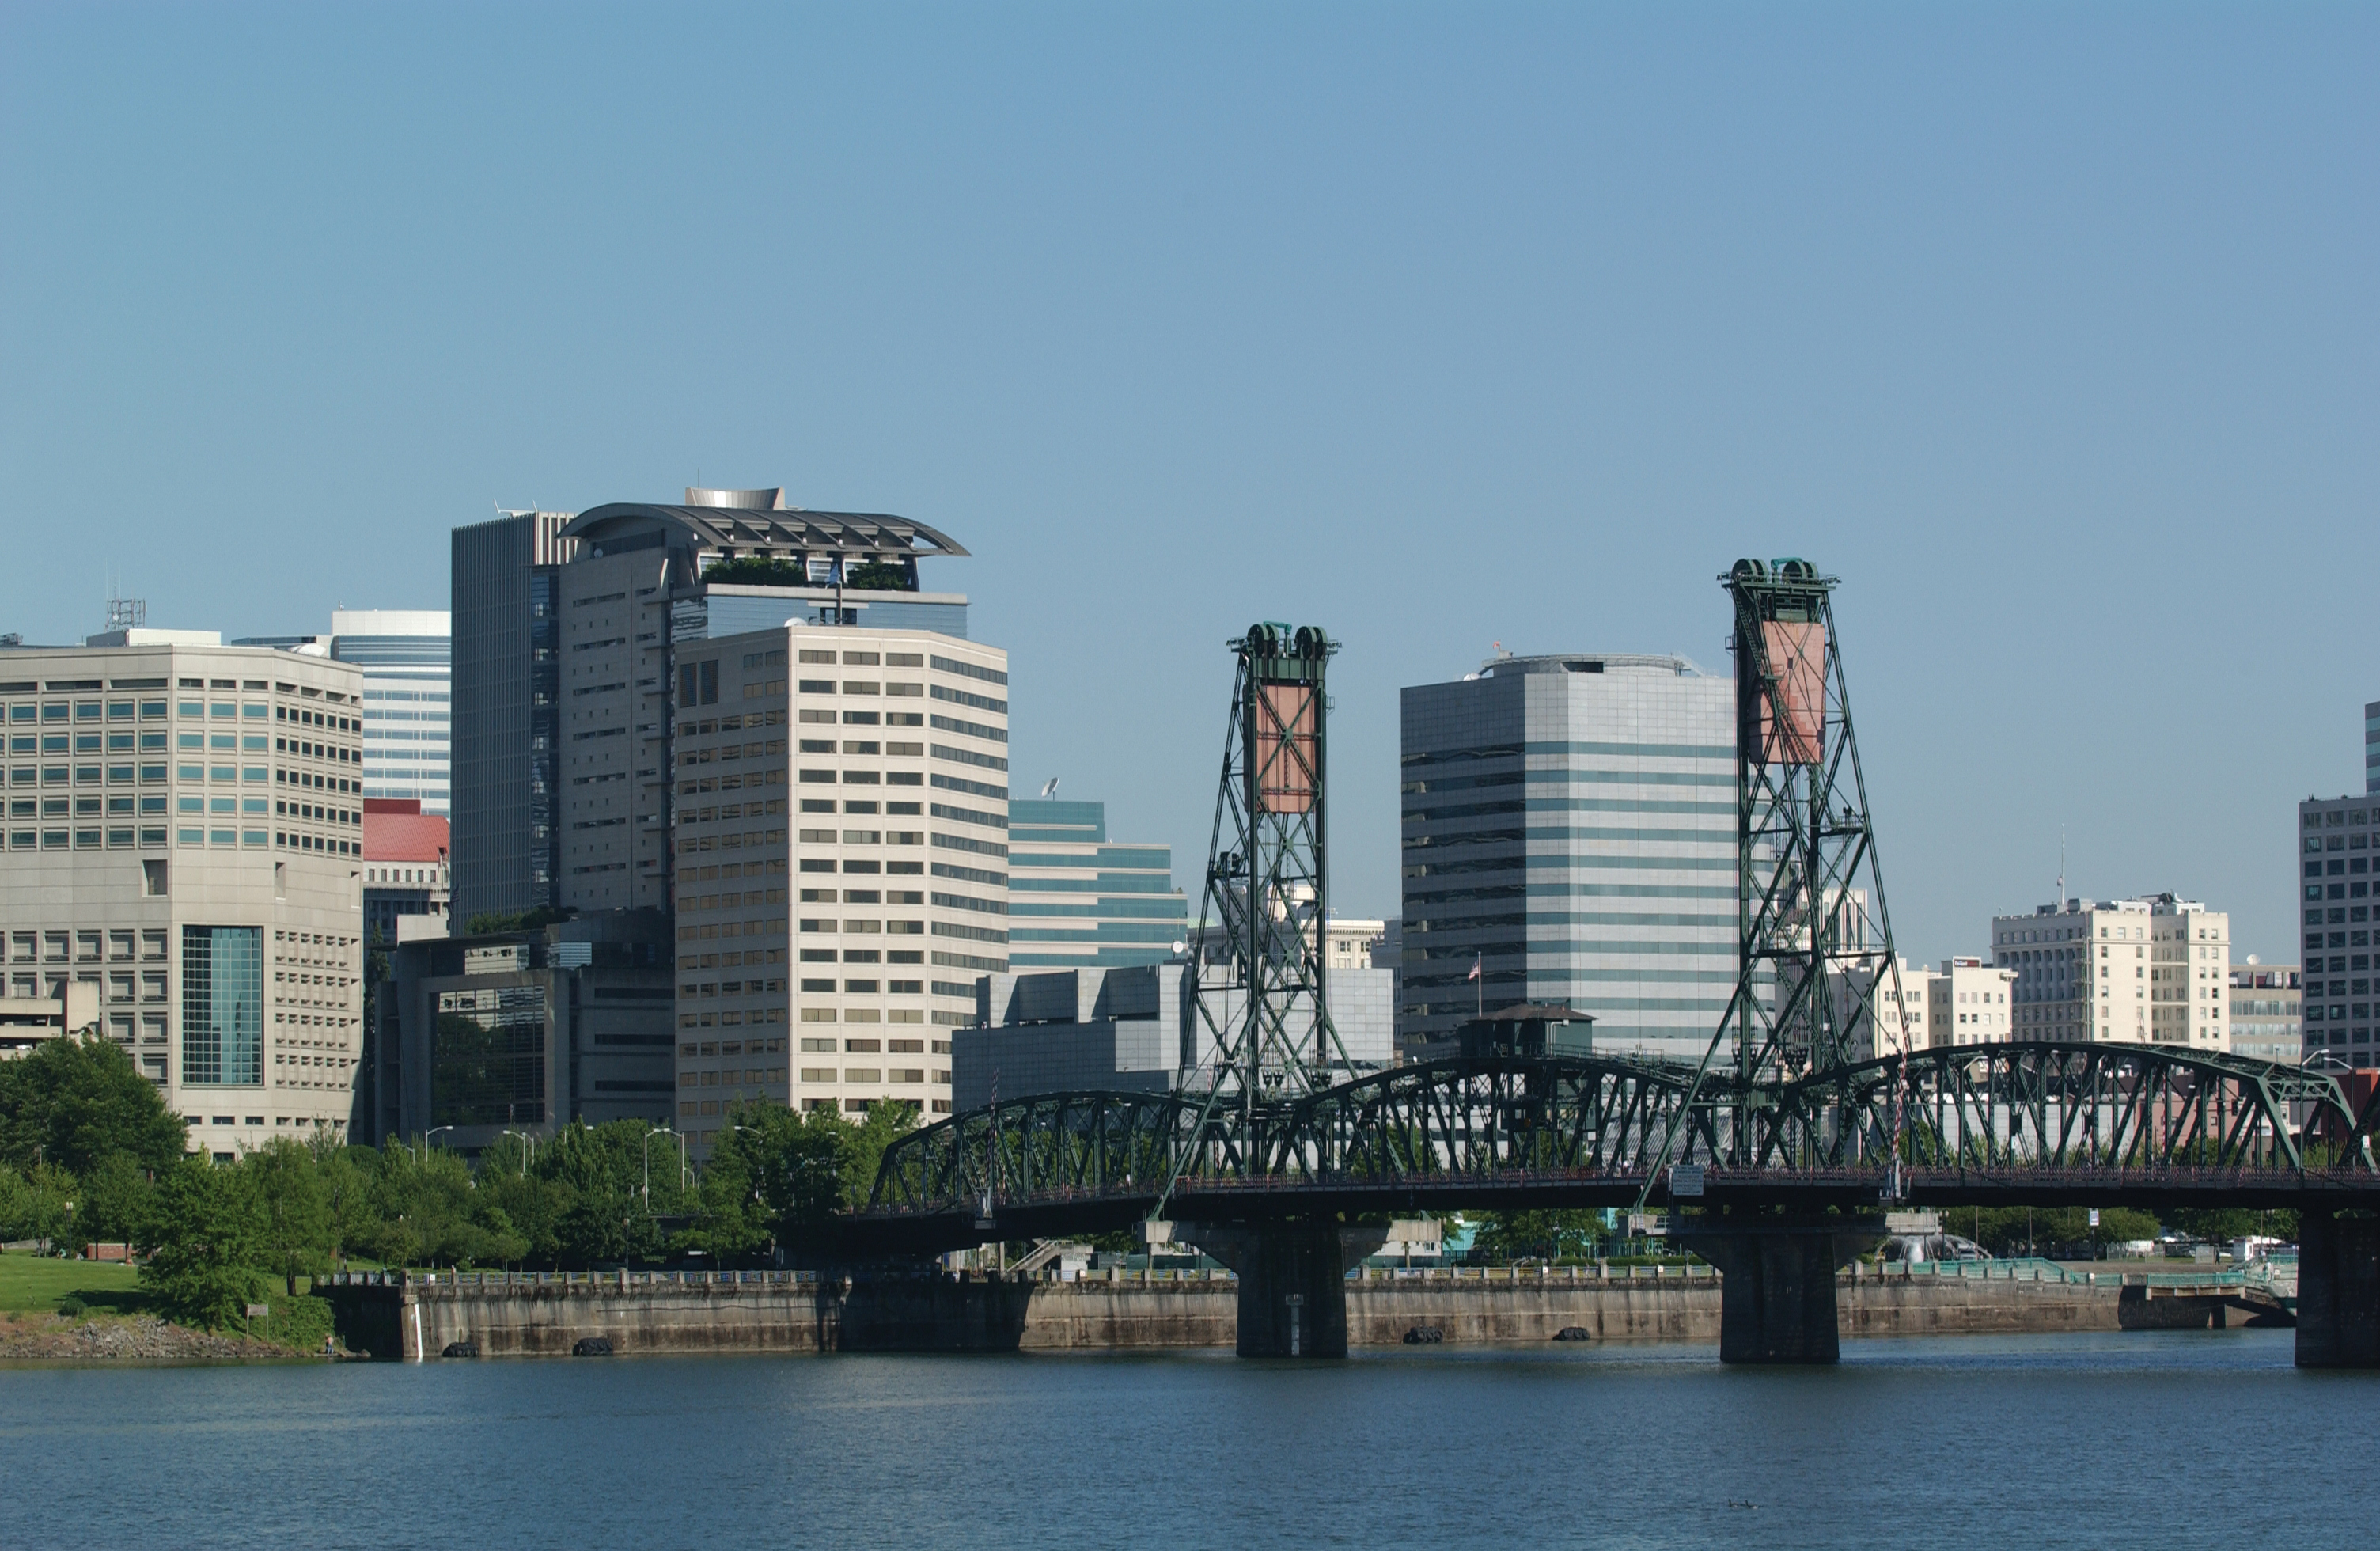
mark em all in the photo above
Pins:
pixel 2061 866
pixel 1050 787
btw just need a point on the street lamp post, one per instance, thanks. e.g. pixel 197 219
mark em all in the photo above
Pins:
pixel 427 1135
pixel 681 1166
pixel 529 1150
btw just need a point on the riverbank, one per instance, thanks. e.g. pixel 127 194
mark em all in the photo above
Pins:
pixel 119 1339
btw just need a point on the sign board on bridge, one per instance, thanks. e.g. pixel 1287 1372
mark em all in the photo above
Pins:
pixel 1685 1178
pixel 1912 1222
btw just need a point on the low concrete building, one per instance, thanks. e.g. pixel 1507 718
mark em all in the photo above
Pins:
pixel 405 871
pixel 72 1007
pixel 527 1031
pixel 1134 1029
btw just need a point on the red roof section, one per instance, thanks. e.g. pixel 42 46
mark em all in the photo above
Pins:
pixel 396 829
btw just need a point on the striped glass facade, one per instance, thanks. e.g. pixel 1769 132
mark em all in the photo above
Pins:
pixel 1077 902
pixel 406 702
pixel 1568 830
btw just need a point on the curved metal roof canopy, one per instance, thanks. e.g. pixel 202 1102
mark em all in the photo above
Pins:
pixel 753 530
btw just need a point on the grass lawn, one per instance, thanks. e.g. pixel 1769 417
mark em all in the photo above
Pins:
pixel 32 1284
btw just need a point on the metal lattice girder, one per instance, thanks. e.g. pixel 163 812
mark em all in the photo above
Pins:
pixel 1263 1004
pixel 1815 938
pixel 1480 1118
pixel 1063 1144
pixel 2003 1122
pixel 2010 1107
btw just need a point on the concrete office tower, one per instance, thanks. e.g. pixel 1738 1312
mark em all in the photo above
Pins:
pixel 1970 1001
pixel 2147 969
pixel 1078 901
pixel 404 654
pixel 642 579
pixel 2269 1012
pixel 184 834
pixel 841 864
pixel 1890 1022
pixel 505 621
pixel 2335 855
pixel 1570 828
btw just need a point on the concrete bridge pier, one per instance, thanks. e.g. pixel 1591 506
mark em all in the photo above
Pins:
pixel 1293 1280
pixel 2338 1290
pixel 1777 1286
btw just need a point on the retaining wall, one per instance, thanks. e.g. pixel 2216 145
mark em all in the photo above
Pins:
pixel 941 1314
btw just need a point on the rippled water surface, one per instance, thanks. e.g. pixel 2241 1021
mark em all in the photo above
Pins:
pixel 2172 1439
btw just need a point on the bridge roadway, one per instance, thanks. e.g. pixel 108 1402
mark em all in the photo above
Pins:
pixel 1790 1172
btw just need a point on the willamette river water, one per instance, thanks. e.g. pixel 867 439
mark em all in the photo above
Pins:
pixel 2166 1440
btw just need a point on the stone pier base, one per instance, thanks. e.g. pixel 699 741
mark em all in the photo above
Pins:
pixel 2339 1291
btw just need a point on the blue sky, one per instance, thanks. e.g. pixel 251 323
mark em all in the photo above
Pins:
pixel 2049 329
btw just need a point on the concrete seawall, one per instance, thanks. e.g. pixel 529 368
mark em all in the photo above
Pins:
pixel 423 1319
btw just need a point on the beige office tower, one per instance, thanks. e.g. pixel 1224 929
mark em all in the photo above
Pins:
pixel 184 833
pixel 840 865
pixel 2150 970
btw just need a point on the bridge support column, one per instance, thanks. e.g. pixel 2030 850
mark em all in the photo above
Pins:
pixel 1292 1276
pixel 1777 1288
pixel 2339 1291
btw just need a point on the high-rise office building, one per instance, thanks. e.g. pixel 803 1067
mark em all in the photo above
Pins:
pixel 1569 830
pixel 184 835
pixel 2152 969
pixel 563 628
pixel 1078 900
pixel 506 663
pixel 2334 857
pixel 841 864
pixel 404 655
pixel 2371 747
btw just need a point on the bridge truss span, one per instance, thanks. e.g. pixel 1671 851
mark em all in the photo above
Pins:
pixel 1978 1124
pixel 2010 1109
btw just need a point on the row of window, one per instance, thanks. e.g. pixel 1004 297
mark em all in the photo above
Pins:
pixel 896 1076
pixel 695 990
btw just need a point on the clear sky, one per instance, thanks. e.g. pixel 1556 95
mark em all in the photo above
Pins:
pixel 2050 329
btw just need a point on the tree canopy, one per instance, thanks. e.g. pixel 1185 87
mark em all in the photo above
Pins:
pixel 73 1101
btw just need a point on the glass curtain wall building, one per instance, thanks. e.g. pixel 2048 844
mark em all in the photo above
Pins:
pixel 1078 902
pixel 1569 830
pixel 404 654
pixel 506 708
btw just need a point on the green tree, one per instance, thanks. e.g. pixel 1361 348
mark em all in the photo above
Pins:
pixel 288 1185
pixel 1509 1236
pixel 887 1120
pixel 348 1174
pixel 72 1101
pixel 206 1240
pixel 115 1200
pixel 33 1205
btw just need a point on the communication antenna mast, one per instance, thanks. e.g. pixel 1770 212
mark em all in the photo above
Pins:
pixel 127 613
pixel 1262 1003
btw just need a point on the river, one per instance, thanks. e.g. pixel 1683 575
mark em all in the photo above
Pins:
pixel 2164 1439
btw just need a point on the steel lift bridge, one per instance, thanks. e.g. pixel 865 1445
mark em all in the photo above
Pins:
pixel 1803 1117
